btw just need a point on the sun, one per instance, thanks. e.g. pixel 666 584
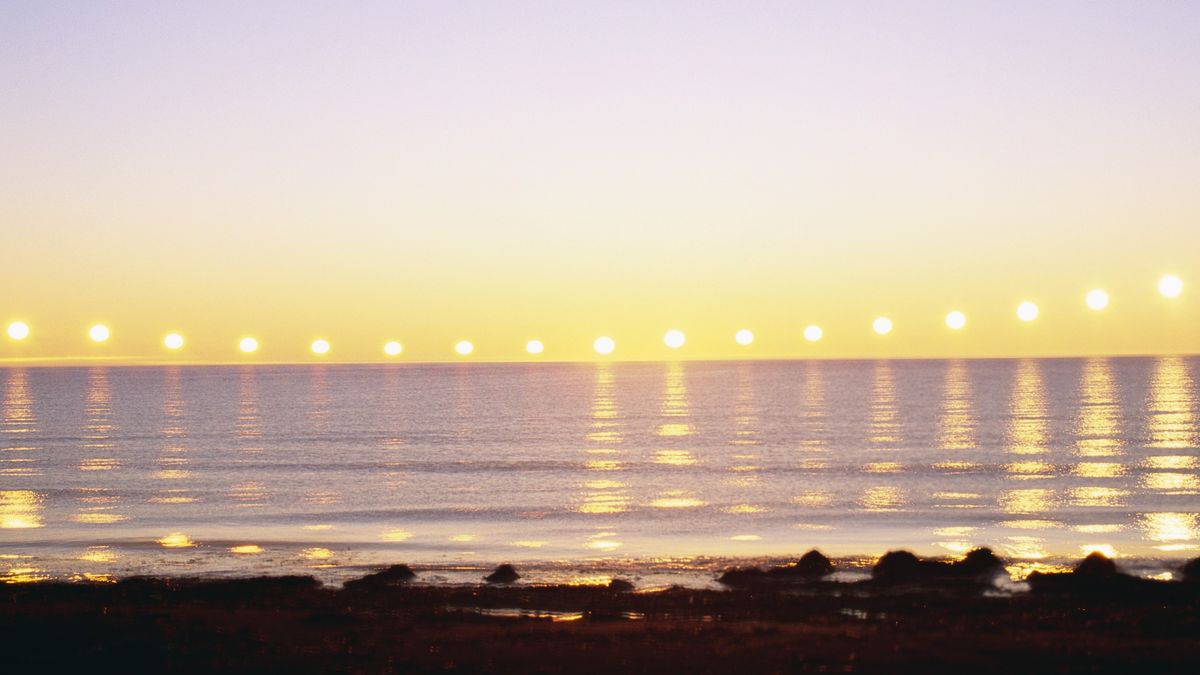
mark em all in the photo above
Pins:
pixel 464 347
pixel 99 333
pixel 604 345
pixel 393 348
pixel 535 347
pixel 1027 311
pixel 1097 299
pixel 956 320
pixel 813 333
pixel 743 337
pixel 18 330
pixel 674 339
pixel 882 325
pixel 1170 286
pixel 248 345
pixel 173 341
pixel 320 346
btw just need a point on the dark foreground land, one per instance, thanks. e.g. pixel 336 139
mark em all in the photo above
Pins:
pixel 293 624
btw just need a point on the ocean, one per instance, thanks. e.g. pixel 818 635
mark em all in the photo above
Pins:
pixel 664 472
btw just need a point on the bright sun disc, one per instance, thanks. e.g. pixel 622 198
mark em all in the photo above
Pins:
pixel 1170 286
pixel 1097 299
pixel 464 347
pixel 248 345
pixel 320 346
pixel 743 337
pixel 604 345
pixel 393 348
pixel 98 333
pixel 813 333
pixel 1027 311
pixel 882 325
pixel 18 330
pixel 674 339
pixel 173 341
pixel 956 320
pixel 535 347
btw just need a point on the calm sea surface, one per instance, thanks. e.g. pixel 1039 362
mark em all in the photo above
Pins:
pixel 579 469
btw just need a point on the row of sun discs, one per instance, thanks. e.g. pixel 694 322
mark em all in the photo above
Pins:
pixel 1097 299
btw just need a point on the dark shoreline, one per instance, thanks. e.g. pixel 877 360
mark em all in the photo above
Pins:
pixel 1092 620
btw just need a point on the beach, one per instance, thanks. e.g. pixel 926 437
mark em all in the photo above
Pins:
pixel 1078 624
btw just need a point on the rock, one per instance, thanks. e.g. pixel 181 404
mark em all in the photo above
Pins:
pixel 504 574
pixel 742 576
pixel 392 576
pixel 980 563
pixel 620 585
pixel 812 565
pixel 1191 570
pixel 1096 564
pixel 899 566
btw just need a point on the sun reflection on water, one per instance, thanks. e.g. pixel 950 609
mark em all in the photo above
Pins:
pixel 1028 432
pixel 1098 421
pixel 956 427
pixel 18 456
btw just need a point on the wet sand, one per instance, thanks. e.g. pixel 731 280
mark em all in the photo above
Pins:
pixel 295 624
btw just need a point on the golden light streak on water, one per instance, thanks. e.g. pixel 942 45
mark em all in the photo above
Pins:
pixel 176 540
pixel 19 453
pixel 1097 496
pixel 1173 529
pixel 956 426
pixel 98 554
pixel 745 409
pixel 1028 430
pixel 395 535
pixel 246 549
pixel 813 499
pixel 601 496
pixel 1027 501
pixel 1098 419
pixel 882 499
pixel 676 499
pixel 884 428
pixel 1171 420
pixel 316 553
pixel 23 575
pixel 98 426
pixel 20 509
pixel 812 410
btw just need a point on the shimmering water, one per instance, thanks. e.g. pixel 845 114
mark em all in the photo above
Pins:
pixel 577 466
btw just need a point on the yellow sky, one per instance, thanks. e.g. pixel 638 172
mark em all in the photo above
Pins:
pixel 420 174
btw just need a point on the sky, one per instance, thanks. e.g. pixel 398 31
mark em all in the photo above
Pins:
pixel 506 171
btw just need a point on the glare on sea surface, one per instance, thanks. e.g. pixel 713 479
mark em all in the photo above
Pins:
pixel 535 347
pixel 604 345
pixel 882 325
pixel 393 348
pixel 674 339
pixel 743 337
pixel 248 345
pixel 956 320
pixel 320 346
pixel 1097 299
pixel 173 341
pixel 464 347
pixel 1170 286
pixel 246 549
pixel 18 330
pixel 98 333
pixel 813 333
pixel 176 540
pixel 1027 311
